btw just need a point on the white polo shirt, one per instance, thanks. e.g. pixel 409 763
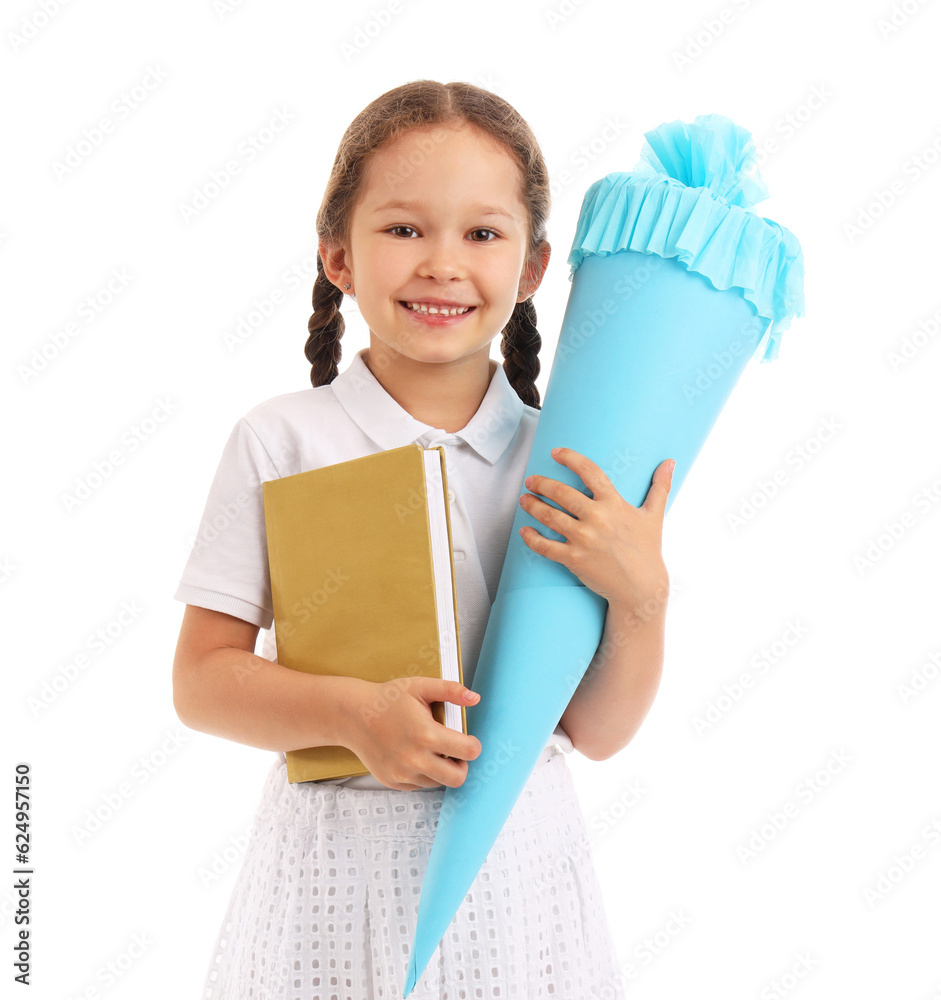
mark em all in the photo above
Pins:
pixel 227 569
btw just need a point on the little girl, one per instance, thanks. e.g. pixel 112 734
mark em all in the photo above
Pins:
pixel 434 221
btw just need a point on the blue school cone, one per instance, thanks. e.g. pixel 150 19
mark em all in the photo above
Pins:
pixel 675 287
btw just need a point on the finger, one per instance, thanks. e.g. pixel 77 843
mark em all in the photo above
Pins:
pixel 437 689
pixel 435 773
pixel 463 746
pixel 545 513
pixel 659 490
pixel 548 547
pixel 573 502
pixel 590 473
pixel 416 779
pixel 447 772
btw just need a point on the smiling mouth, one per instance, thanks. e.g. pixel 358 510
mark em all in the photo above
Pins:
pixel 437 313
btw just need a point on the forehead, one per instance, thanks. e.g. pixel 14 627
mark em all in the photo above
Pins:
pixel 444 166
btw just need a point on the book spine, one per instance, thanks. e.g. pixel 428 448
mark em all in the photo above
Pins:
pixel 447 519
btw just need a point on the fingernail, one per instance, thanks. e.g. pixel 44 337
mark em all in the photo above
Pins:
pixel 471 695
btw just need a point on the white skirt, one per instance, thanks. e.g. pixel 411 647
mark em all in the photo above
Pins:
pixel 326 902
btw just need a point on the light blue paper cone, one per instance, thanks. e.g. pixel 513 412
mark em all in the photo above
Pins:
pixel 674 290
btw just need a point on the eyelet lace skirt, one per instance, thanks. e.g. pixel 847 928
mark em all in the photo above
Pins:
pixel 326 902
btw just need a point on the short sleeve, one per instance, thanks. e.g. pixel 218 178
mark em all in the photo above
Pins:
pixel 227 569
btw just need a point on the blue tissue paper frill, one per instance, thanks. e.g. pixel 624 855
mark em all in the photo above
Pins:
pixel 654 212
pixel 712 152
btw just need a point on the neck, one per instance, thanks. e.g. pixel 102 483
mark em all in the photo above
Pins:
pixel 445 395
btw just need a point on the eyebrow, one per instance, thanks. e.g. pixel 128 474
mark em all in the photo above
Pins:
pixel 411 206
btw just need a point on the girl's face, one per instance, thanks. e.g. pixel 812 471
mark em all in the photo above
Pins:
pixel 439 221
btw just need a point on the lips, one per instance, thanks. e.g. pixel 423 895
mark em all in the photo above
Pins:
pixel 438 304
pixel 437 318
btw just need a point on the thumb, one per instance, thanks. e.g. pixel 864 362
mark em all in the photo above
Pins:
pixel 660 486
pixel 452 691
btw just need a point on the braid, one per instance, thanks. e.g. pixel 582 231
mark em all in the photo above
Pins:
pixel 325 328
pixel 520 348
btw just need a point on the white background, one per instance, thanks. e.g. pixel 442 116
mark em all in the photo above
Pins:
pixel 840 100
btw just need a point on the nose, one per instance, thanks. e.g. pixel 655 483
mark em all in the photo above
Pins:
pixel 443 260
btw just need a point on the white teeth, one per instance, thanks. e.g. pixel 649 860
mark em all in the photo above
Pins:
pixel 435 310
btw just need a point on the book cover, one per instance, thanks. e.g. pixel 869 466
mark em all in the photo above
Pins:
pixel 351 555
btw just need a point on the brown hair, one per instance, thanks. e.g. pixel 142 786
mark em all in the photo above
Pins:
pixel 423 104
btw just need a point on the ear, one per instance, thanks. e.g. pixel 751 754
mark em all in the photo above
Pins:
pixel 335 265
pixel 534 271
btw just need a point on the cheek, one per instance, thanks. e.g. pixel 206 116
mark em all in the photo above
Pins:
pixel 504 278
pixel 498 287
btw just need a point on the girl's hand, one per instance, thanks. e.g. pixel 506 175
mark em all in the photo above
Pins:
pixel 392 731
pixel 612 546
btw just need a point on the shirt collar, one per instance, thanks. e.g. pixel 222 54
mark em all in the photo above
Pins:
pixel 390 425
